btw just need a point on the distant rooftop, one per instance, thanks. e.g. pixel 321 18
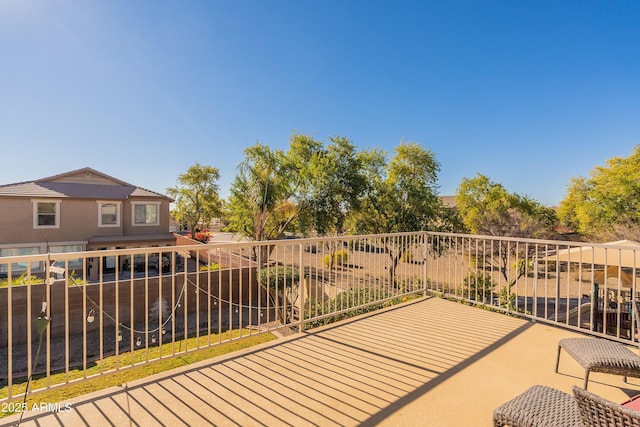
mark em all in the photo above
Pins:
pixel 449 201
pixel 85 183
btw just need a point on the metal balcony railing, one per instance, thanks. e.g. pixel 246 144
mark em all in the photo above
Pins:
pixel 67 317
pixel 582 286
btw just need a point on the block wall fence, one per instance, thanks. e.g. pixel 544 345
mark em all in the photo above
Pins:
pixel 188 294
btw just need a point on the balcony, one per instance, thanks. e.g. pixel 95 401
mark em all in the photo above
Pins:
pixel 432 359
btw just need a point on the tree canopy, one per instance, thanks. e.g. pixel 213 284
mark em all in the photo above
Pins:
pixel 308 188
pixel 196 196
pixel 334 189
pixel 607 204
pixel 259 205
pixel 401 194
pixel 330 186
pixel 486 207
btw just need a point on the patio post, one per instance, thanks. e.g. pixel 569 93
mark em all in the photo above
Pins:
pixel 594 306
pixel 426 258
pixel 535 284
pixel 301 290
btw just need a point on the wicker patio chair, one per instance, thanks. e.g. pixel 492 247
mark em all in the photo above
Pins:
pixel 603 355
pixel 546 406
pixel 538 406
pixel 596 411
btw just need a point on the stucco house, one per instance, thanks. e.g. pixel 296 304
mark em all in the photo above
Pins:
pixel 81 210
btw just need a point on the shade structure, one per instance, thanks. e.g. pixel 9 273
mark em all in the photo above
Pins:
pixel 623 253
pixel 613 257
pixel 613 273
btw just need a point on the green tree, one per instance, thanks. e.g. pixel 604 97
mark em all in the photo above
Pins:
pixel 308 188
pixel 401 196
pixel 607 204
pixel 196 196
pixel 486 207
pixel 331 185
pixel 281 284
pixel 259 205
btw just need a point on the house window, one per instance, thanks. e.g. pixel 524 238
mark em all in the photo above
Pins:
pixel 19 267
pixel 46 214
pixel 73 263
pixel 146 214
pixel 108 214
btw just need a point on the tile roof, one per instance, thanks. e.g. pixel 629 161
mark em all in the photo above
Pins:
pixel 71 185
pixel 449 201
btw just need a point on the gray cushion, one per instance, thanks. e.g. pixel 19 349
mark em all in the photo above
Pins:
pixel 601 355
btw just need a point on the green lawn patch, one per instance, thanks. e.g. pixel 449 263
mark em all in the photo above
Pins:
pixel 123 372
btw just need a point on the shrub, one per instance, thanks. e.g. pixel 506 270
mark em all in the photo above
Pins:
pixel 522 266
pixel 75 280
pixel 280 276
pixel 345 300
pixel 408 284
pixel 23 279
pixel 211 267
pixel 200 236
pixel 477 286
pixel 507 298
pixel 348 299
pixel 340 257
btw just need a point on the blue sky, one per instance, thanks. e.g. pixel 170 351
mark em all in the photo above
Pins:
pixel 530 93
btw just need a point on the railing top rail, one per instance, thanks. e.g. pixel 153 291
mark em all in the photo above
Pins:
pixel 197 247
pixel 180 249
pixel 612 245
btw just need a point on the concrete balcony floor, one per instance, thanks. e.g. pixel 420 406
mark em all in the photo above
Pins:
pixel 428 362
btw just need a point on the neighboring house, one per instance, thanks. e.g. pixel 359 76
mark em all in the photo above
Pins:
pixel 449 201
pixel 80 210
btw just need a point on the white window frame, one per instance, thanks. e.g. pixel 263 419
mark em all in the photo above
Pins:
pixel 133 214
pixel 118 213
pixel 37 202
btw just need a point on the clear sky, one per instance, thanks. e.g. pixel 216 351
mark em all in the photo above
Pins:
pixel 530 93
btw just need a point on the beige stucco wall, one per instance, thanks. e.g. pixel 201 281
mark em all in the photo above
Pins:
pixel 16 215
pixel 78 221
pixel 127 209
